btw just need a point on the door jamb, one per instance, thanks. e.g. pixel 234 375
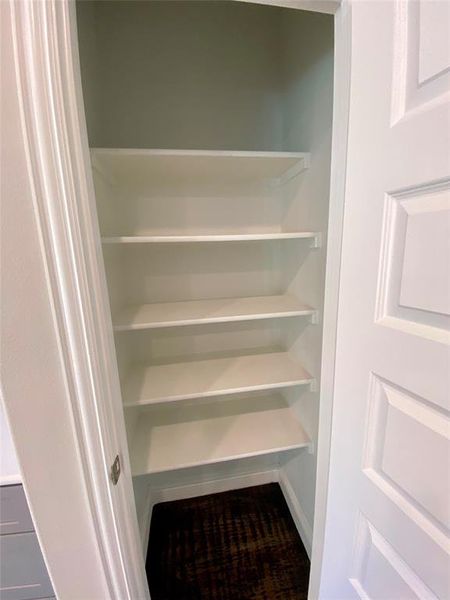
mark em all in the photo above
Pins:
pixel 54 126
pixel 341 113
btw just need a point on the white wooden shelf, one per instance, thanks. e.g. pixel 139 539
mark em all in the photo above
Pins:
pixel 156 168
pixel 194 436
pixel 196 312
pixel 213 377
pixel 209 238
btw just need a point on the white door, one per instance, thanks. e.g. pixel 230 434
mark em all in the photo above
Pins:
pixel 388 504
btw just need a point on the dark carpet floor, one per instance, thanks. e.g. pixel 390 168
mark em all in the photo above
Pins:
pixel 239 545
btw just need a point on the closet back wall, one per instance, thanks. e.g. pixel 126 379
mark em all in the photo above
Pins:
pixel 150 82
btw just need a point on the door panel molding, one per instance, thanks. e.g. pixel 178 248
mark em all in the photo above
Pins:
pixel 373 554
pixel 396 418
pixel 390 433
pixel 420 317
pixel 421 69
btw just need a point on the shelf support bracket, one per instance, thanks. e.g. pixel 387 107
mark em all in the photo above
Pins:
pixel 313 387
pixel 301 165
pixel 295 170
pixel 316 241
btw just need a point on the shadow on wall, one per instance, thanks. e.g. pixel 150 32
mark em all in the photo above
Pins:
pixel 220 84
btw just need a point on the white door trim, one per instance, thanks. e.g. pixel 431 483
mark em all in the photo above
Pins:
pixel 341 111
pixel 47 66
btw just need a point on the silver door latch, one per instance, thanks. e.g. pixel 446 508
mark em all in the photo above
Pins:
pixel 115 470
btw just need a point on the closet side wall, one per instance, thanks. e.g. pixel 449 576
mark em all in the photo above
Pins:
pixel 181 74
pixel 307 66
pixel 90 67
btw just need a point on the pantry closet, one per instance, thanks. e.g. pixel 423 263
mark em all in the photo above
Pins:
pixel 210 132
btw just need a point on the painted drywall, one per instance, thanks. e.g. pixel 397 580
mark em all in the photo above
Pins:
pixel 9 464
pixel 88 48
pixel 180 74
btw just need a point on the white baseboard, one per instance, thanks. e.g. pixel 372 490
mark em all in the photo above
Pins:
pixel 214 486
pixel 225 484
pixel 301 522
pixel 144 523
pixel 203 488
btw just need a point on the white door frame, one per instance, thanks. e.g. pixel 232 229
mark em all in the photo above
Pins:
pixel 341 111
pixel 54 127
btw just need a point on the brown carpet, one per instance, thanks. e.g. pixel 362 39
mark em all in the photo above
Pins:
pixel 239 545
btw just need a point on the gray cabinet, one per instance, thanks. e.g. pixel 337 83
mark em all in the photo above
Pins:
pixel 14 514
pixel 23 574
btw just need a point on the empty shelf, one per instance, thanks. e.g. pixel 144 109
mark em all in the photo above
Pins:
pixel 194 312
pixel 179 169
pixel 212 377
pixel 216 237
pixel 164 441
